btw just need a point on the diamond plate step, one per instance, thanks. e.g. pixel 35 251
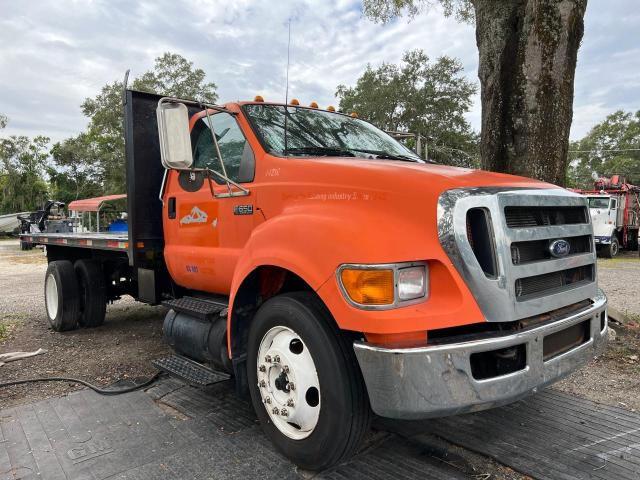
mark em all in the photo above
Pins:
pixel 197 307
pixel 190 371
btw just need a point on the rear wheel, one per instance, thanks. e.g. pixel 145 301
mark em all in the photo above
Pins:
pixel 61 296
pixel 93 296
pixel 305 384
pixel 611 250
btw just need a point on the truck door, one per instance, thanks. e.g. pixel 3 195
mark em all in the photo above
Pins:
pixel 613 212
pixel 205 234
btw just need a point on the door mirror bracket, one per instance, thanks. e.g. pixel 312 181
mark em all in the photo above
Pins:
pixel 175 142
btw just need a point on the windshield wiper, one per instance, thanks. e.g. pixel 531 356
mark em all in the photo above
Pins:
pixel 387 155
pixel 320 151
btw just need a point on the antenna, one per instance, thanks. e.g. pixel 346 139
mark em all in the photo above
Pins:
pixel 286 91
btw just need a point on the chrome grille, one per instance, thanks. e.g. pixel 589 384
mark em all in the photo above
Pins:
pixel 529 280
pixel 536 250
pixel 546 283
pixel 520 217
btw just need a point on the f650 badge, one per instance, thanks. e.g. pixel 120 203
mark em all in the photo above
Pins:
pixel 243 210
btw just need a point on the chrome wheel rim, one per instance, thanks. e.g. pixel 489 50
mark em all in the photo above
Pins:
pixel 51 294
pixel 288 383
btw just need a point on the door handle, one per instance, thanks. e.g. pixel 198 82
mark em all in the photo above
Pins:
pixel 171 208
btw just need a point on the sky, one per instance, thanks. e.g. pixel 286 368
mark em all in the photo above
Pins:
pixel 55 53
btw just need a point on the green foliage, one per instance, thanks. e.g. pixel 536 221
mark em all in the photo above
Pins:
pixel 386 10
pixel 3 121
pixel 596 151
pixel 174 75
pixel 78 172
pixel 93 162
pixel 418 97
pixel 22 163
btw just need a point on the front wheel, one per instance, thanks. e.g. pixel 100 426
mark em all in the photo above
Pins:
pixel 305 384
pixel 611 250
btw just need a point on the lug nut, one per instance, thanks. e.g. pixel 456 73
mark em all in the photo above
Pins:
pixel 262 383
pixel 276 359
pixel 275 411
pixel 284 412
pixel 262 368
pixel 285 368
pixel 267 400
pixel 290 402
pixel 267 359
pixel 291 387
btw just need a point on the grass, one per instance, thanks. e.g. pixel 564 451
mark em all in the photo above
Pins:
pixel 9 324
pixel 4 331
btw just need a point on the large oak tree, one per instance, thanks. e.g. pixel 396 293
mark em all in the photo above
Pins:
pixel 527 61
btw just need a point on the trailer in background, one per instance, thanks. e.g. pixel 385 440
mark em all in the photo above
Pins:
pixel 614 206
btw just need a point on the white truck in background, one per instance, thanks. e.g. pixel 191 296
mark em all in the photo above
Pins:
pixel 614 206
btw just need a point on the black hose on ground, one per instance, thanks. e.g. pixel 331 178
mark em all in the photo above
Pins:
pixel 99 390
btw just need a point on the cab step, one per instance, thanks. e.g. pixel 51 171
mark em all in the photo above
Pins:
pixel 201 308
pixel 190 371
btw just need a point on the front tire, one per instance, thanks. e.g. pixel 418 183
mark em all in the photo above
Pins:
pixel 93 293
pixel 61 296
pixel 299 363
pixel 611 250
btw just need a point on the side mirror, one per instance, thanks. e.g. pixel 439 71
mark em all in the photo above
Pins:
pixel 175 138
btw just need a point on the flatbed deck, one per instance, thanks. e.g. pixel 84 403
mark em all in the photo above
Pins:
pixel 98 241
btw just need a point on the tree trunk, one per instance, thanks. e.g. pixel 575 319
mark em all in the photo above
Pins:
pixel 528 51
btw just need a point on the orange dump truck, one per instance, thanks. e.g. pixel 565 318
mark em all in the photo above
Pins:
pixel 333 272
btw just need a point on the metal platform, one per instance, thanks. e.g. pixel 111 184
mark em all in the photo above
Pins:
pixel 553 436
pixel 204 309
pixel 192 372
pixel 92 240
pixel 175 431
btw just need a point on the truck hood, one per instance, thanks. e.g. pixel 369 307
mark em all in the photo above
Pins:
pixel 391 175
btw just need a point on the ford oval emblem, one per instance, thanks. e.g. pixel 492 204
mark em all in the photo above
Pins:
pixel 559 248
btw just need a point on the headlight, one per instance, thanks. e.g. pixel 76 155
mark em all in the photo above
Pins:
pixel 384 286
pixel 412 282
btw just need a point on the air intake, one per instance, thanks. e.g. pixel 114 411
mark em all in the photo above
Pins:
pixel 521 217
pixel 480 235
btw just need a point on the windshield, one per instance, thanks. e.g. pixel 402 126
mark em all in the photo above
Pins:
pixel 598 202
pixel 320 133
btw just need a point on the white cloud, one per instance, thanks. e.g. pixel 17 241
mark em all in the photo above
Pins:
pixel 54 54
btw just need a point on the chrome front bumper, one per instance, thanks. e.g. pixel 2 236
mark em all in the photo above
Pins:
pixel 435 381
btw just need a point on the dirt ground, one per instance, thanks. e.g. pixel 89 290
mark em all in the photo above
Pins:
pixel 614 378
pixel 132 336
pixel 121 349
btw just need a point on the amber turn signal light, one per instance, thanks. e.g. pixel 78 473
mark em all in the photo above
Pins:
pixel 368 287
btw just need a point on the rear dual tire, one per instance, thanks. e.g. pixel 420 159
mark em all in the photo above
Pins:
pixel 329 401
pixel 93 293
pixel 61 296
pixel 74 294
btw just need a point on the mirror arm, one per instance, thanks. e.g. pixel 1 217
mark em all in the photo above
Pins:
pixel 243 191
pixel 215 143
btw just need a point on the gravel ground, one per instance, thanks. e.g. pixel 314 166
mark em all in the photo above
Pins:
pixel 121 349
pixel 614 378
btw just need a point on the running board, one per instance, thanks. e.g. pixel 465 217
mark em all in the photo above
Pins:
pixel 190 371
pixel 198 307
